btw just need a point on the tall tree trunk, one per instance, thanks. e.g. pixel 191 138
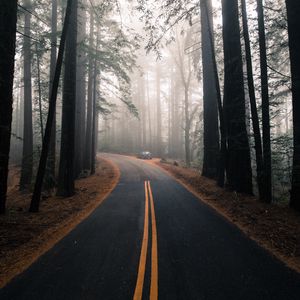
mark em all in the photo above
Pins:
pixel 8 19
pixel 35 201
pixel 50 182
pixel 80 91
pixel 143 108
pixel 95 115
pixel 185 81
pixel 293 13
pixel 139 105
pixel 149 115
pixel 158 112
pixel 66 164
pixel 254 114
pixel 89 125
pixel 94 127
pixel 39 90
pixel 176 146
pixel 187 127
pixel 210 108
pixel 19 122
pixel 170 110
pixel 27 156
pixel 238 165
pixel 265 106
pixel 223 132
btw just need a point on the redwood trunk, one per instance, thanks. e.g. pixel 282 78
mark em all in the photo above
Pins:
pixel 267 176
pixel 254 114
pixel 35 201
pixel 210 108
pixel 27 159
pixel 158 112
pixel 293 13
pixel 238 164
pixel 51 182
pixel 80 92
pixel 66 164
pixel 89 125
pixel 8 19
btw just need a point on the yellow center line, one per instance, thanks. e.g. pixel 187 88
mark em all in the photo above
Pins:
pixel 154 260
pixel 142 265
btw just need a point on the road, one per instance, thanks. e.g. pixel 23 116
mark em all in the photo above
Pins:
pixel 151 238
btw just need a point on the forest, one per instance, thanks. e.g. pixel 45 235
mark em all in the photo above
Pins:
pixel 213 85
pixel 150 147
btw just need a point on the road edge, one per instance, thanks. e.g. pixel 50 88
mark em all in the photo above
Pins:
pixel 55 235
pixel 286 261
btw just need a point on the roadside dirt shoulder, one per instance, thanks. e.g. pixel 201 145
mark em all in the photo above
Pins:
pixel 24 236
pixel 275 228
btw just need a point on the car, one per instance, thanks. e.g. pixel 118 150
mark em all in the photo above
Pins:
pixel 145 155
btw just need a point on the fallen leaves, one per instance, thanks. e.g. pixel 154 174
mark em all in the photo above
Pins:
pixel 25 236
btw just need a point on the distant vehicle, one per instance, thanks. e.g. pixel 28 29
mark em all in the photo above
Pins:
pixel 145 155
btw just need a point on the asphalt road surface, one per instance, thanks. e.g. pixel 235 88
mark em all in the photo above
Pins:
pixel 153 239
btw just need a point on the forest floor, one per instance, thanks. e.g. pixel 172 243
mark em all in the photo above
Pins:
pixel 274 227
pixel 26 236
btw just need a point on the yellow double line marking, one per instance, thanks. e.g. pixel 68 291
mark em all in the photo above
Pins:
pixel 143 258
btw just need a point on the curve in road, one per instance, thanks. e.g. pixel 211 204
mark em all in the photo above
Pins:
pixel 150 239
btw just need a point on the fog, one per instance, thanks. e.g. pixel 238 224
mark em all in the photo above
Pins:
pixel 152 76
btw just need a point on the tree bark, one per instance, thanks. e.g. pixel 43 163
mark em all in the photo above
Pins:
pixel 143 110
pixel 80 92
pixel 89 125
pixel 176 130
pixel 185 81
pixel 267 176
pixel 293 13
pixel 35 201
pixel 187 127
pixel 254 114
pixel 158 112
pixel 95 115
pixel 238 164
pixel 170 110
pixel 149 115
pixel 27 156
pixel 210 106
pixel 8 20
pixel 39 90
pixel 223 132
pixel 66 164
pixel 50 182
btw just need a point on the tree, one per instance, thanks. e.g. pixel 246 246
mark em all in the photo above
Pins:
pixel 89 125
pixel 254 113
pixel 223 132
pixel 293 13
pixel 149 113
pixel 50 182
pixel 66 165
pixel 27 156
pixel 238 164
pixel 94 115
pixel 8 20
pixel 185 76
pixel 35 201
pixel 158 112
pixel 175 125
pixel 80 123
pixel 267 175
pixel 210 108
pixel 142 99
